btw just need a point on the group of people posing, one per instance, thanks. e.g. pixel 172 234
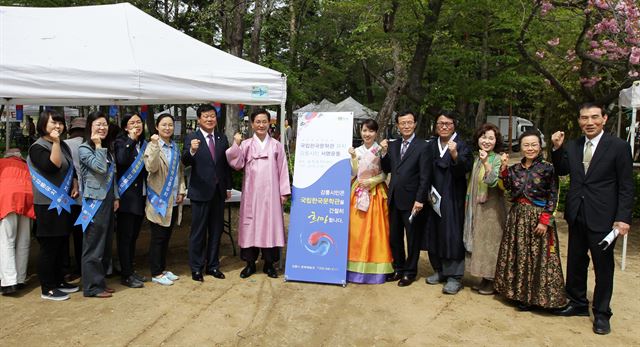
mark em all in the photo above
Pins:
pixel 105 181
pixel 444 196
pixel 450 198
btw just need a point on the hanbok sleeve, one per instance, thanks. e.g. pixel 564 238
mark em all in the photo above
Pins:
pixel 283 170
pixel 491 177
pixel 235 156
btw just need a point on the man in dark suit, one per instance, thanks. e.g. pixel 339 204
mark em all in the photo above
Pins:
pixel 406 160
pixel 209 187
pixel 600 199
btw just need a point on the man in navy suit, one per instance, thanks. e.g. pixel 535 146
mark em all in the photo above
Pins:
pixel 600 198
pixel 209 187
pixel 406 159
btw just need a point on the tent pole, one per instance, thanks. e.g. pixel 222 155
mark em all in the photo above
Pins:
pixel 632 141
pixel 6 125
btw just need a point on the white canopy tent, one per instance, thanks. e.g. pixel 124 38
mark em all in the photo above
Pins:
pixel 349 104
pixel 33 111
pixel 112 55
pixel 630 98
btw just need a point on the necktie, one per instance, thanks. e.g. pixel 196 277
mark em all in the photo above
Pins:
pixel 212 147
pixel 588 153
pixel 403 149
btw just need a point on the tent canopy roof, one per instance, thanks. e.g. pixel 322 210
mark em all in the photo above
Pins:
pixel 109 54
pixel 347 105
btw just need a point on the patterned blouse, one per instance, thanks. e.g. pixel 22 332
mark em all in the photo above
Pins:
pixel 537 185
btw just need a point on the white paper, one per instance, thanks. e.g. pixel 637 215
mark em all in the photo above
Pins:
pixel 609 238
pixel 435 199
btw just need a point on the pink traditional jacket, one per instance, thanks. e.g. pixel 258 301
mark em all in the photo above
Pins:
pixel 266 179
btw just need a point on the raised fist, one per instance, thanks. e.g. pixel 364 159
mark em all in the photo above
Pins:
pixel 237 138
pixel 482 154
pixel 504 160
pixel 453 146
pixel 557 139
pixel 195 143
pixel 154 138
pixel 385 146
pixel 352 152
pixel 55 135
pixel 95 138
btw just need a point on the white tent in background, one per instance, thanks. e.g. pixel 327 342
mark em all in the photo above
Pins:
pixel 630 98
pixel 191 113
pixel 108 55
pixel 34 111
pixel 359 110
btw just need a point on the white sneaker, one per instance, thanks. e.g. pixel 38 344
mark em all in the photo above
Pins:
pixel 162 280
pixel 171 276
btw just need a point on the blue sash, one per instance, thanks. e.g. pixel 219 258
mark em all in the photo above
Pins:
pixel 132 172
pixel 91 206
pixel 161 202
pixel 59 196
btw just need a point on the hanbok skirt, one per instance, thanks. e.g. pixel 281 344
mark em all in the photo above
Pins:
pixel 369 251
pixel 529 269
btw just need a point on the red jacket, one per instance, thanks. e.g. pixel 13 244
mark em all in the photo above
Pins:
pixel 16 194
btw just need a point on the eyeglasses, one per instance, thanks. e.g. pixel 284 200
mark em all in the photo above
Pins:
pixel 444 124
pixel 530 145
pixel 406 124
pixel 135 122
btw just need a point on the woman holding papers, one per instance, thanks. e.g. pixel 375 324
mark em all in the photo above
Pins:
pixel 165 191
pixel 129 148
pixel 265 187
pixel 100 201
pixel 369 251
pixel 54 186
pixel 528 269
pixel 484 209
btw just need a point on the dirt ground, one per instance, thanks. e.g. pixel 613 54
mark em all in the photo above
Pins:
pixel 262 311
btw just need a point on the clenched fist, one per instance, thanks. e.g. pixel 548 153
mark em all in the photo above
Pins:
pixel 453 149
pixel 154 138
pixel 384 144
pixel 483 155
pixel 557 139
pixel 352 152
pixel 504 161
pixel 195 144
pixel 237 138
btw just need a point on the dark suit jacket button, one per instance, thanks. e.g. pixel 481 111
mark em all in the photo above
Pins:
pixel 135 184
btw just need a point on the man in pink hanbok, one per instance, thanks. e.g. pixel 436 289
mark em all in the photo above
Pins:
pixel 265 187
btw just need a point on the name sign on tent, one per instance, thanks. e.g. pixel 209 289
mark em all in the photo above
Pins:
pixel 319 224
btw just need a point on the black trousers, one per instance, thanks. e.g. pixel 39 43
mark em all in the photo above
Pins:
pixel 270 255
pixel 127 231
pixel 583 240
pixel 206 229
pixel 50 261
pixel 159 244
pixel 74 266
pixel 398 225
pixel 96 248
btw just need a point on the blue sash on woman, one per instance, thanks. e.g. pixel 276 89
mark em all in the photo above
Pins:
pixel 132 172
pixel 59 196
pixel 161 202
pixel 91 206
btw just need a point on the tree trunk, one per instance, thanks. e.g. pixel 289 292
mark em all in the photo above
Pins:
pixel 399 69
pixel 367 84
pixel 484 74
pixel 254 54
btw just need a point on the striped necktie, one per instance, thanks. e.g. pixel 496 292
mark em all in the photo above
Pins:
pixel 403 149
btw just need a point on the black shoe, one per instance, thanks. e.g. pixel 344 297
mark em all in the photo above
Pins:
pixel 197 276
pixel 68 288
pixel 522 307
pixel 406 281
pixel 8 290
pixel 571 310
pixel 270 270
pixel 139 277
pixel 601 326
pixel 392 277
pixel 216 273
pixel 248 270
pixel 132 282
